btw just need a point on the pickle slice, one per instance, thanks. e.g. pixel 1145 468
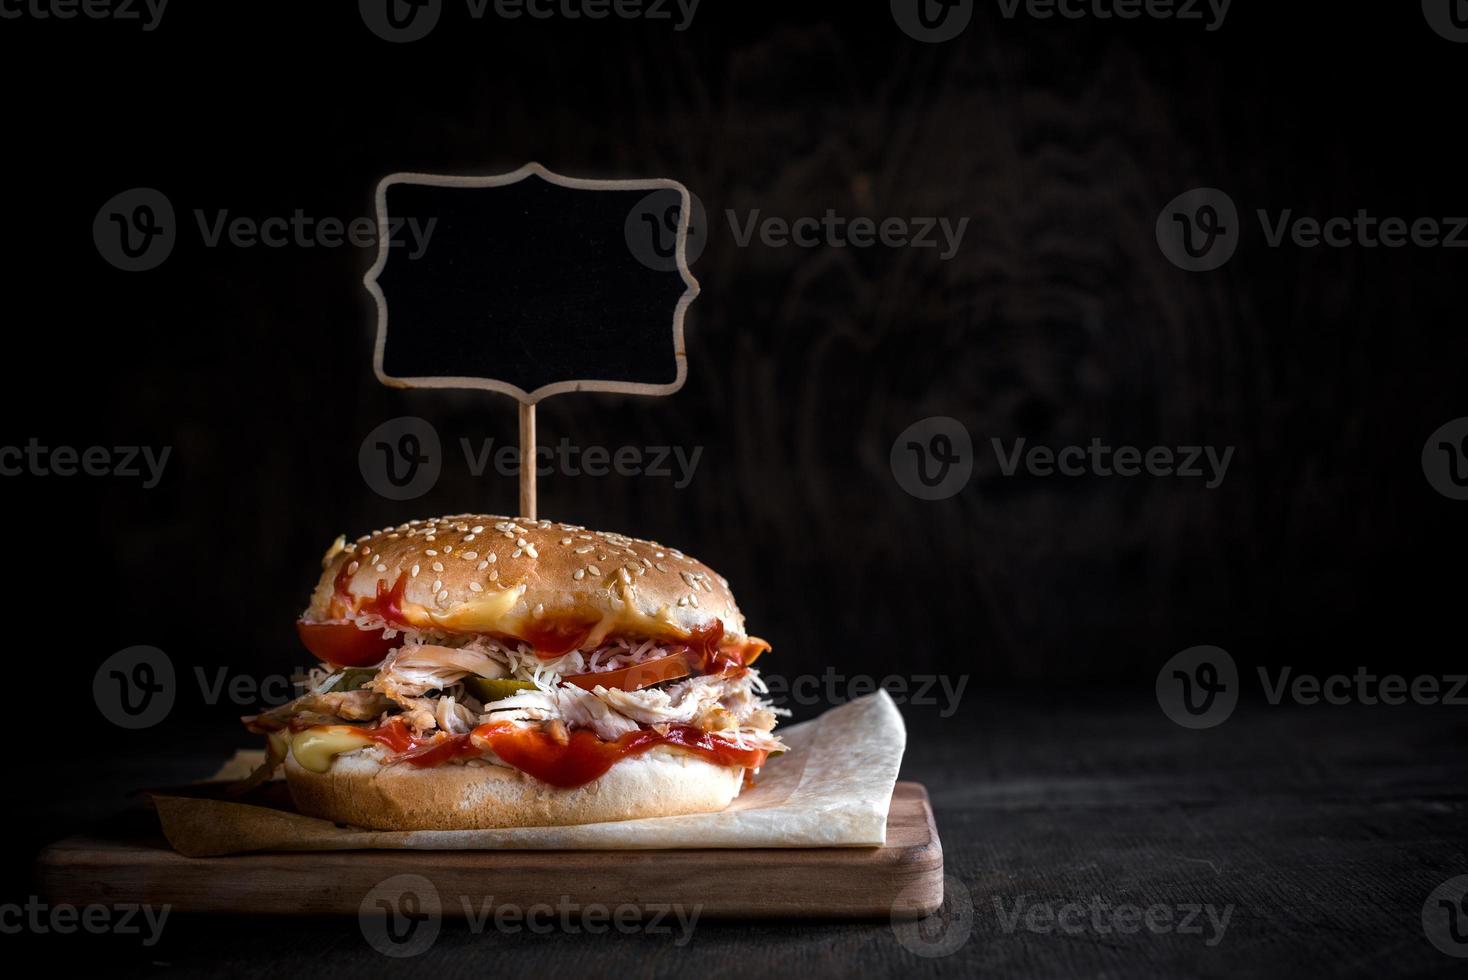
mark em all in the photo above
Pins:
pixel 495 690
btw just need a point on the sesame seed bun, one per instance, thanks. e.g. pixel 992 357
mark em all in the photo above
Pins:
pixel 359 790
pixel 479 573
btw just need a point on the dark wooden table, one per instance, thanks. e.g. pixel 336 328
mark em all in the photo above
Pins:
pixel 1081 834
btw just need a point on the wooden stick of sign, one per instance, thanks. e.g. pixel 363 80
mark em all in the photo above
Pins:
pixel 527 461
pixel 479 339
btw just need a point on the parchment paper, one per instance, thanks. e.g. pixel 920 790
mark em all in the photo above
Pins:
pixel 832 789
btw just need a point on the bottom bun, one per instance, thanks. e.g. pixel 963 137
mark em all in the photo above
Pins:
pixel 360 790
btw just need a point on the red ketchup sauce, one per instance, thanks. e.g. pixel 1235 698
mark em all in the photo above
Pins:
pixel 582 759
pixel 585 757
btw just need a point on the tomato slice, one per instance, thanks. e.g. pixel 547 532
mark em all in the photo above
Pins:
pixel 638 676
pixel 343 644
pixel 558 637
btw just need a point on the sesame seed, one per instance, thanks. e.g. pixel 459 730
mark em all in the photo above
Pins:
pixel 579 574
pixel 352 568
pixel 431 553
pixel 593 569
pixel 438 566
pixel 477 529
pixel 469 537
pixel 443 597
pixel 585 551
pixel 660 567
pixel 448 548
pixel 475 587
pixel 437 584
pixel 414 571
pixel 517 552
pixel 493 557
pixel 482 565
pixel 494 573
pixel 530 550
pixel 381 568
pixel 470 555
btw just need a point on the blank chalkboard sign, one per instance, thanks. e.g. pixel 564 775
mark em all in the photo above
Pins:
pixel 531 283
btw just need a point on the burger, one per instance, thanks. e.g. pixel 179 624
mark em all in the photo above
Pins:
pixel 481 671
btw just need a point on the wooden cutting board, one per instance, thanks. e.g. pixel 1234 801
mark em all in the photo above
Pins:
pixel 903 879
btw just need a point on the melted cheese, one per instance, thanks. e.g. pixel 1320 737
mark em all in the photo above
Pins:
pixel 490 614
pixel 314 748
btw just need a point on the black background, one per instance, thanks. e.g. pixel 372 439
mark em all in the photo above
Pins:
pixel 1058 320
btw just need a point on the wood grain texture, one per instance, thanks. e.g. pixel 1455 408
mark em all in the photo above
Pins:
pixel 902 880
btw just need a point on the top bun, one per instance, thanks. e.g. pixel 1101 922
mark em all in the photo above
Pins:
pixel 479 573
